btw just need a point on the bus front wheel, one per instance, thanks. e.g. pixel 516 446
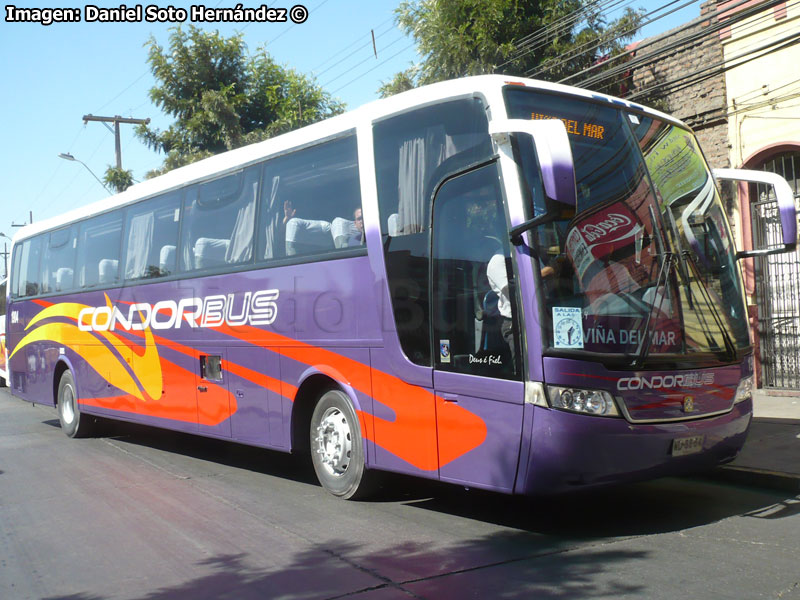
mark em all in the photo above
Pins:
pixel 337 449
pixel 73 423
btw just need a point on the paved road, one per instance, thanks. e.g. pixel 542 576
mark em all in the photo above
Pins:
pixel 142 513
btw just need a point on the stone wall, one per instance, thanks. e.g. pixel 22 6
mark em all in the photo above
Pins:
pixel 702 104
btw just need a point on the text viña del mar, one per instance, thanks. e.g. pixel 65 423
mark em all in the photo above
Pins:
pixel 153 13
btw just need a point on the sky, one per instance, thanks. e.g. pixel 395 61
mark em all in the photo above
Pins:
pixel 53 75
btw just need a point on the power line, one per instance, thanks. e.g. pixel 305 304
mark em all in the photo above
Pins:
pixel 677 44
pixel 366 44
pixel 760 90
pixel 134 82
pixel 292 26
pixel 765 104
pixel 624 53
pixel 370 57
pixel 561 24
pixel 356 41
pixel 548 35
pixel 719 67
pixel 81 129
pixel 373 68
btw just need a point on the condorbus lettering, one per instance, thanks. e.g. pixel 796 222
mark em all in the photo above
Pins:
pixel 658 382
pixel 241 318
pixel 167 308
pixel 259 308
pixel 214 311
pixel 84 316
pixel 192 317
pixel 144 310
pixel 264 308
pixel 101 318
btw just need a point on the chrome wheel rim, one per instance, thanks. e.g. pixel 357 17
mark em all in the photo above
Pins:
pixel 334 442
pixel 67 405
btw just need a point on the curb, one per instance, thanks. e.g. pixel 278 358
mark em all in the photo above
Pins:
pixel 774 480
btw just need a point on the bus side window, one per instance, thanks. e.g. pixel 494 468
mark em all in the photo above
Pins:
pixel 151 235
pixel 218 223
pixel 58 260
pixel 98 251
pixel 311 202
pixel 27 276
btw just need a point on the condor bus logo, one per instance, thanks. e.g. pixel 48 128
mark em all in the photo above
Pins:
pixel 257 308
pixel 88 331
pixel 658 382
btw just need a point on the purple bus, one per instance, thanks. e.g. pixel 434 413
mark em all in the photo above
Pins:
pixel 495 282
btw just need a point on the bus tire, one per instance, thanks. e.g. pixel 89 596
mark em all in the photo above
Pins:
pixel 73 423
pixel 337 449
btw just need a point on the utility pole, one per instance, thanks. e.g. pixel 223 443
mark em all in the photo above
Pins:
pixel 116 120
pixel 4 254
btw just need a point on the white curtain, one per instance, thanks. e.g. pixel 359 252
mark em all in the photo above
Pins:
pixel 273 220
pixel 419 157
pixel 140 238
pixel 241 244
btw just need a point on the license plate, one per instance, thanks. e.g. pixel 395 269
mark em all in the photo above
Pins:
pixel 684 446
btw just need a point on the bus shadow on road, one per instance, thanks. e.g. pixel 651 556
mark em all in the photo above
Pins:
pixel 653 507
pixel 211 450
pixel 659 506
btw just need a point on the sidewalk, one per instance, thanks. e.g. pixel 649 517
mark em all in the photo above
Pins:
pixel 771 454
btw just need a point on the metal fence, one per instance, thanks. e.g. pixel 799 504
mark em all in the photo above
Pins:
pixel 777 284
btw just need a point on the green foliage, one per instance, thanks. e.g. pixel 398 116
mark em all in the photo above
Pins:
pixel 223 98
pixel 515 37
pixel 401 82
pixel 119 179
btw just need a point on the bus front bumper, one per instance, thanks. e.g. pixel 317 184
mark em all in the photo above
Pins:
pixel 570 451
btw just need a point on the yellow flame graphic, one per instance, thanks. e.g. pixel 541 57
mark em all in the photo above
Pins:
pixel 145 365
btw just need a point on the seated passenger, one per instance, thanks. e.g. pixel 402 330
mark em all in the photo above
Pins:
pixel 357 238
pixel 305 236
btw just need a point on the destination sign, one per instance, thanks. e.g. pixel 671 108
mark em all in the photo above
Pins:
pixel 580 128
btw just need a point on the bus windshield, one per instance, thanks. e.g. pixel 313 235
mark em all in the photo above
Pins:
pixel 644 271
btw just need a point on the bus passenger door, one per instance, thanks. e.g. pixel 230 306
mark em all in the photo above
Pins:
pixel 477 376
pixel 213 397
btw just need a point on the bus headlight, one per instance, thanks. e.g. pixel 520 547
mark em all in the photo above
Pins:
pixel 588 402
pixel 744 391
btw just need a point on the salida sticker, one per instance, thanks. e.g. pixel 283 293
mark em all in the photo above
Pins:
pixel 567 327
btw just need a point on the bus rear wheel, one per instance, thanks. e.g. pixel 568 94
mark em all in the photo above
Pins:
pixel 337 449
pixel 73 423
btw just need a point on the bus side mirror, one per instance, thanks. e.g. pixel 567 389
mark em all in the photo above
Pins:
pixel 786 206
pixel 553 151
pixel 551 144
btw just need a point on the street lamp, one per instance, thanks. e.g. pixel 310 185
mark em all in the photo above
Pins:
pixel 68 156
pixel 5 254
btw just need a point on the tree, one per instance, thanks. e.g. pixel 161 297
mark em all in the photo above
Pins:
pixel 548 39
pixel 119 179
pixel 223 98
pixel 401 82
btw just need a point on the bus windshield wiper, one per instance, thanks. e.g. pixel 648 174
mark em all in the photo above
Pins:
pixel 645 340
pixel 688 259
pixel 664 271
pixel 730 348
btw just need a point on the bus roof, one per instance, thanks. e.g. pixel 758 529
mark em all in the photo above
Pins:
pixel 215 166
